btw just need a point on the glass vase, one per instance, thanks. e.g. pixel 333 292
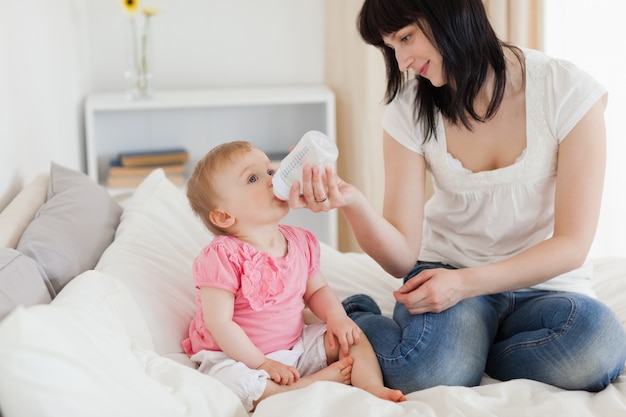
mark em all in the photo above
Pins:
pixel 139 75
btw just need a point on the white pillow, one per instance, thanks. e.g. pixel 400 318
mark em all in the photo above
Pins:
pixel 57 363
pixel 106 300
pixel 155 244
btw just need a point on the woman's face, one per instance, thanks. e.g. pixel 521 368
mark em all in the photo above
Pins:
pixel 414 51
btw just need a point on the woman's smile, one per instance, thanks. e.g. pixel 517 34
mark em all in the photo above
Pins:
pixel 424 69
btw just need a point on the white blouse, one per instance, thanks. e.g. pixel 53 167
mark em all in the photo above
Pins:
pixel 484 217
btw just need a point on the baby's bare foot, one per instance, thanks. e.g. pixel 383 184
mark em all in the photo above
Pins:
pixel 343 370
pixel 388 394
pixel 340 371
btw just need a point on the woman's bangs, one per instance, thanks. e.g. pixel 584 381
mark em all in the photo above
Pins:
pixel 379 18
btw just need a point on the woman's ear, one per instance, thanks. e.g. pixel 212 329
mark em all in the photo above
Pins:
pixel 221 218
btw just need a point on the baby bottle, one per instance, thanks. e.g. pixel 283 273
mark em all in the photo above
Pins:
pixel 313 149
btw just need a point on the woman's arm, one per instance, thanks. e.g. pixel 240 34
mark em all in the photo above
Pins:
pixel 394 239
pixel 579 183
pixel 217 310
pixel 403 206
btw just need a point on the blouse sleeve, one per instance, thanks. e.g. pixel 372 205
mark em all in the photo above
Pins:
pixel 214 268
pixel 573 92
pixel 399 119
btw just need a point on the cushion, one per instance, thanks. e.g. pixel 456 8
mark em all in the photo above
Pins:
pixel 73 227
pixel 155 244
pixel 21 210
pixel 22 282
pixel 85 369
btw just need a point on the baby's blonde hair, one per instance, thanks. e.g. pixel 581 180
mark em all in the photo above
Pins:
pixel 201 190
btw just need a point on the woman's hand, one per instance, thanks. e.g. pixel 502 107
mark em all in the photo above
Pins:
pixel 431 291
pixel 279 372
pixel 322 190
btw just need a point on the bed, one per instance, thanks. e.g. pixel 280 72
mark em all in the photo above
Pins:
pixel 96 294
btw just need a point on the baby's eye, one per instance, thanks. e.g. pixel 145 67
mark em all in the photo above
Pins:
pixel 271 172
pixel 252 179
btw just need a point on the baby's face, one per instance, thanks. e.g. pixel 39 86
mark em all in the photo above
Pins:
pixel 245 187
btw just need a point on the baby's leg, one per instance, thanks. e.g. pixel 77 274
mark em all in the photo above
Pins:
pixel 366 373
pixel 252 385
pixel 339 371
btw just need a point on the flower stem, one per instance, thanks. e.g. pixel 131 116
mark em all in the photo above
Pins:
pixel 143 68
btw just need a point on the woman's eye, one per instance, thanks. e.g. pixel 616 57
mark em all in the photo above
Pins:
pixel 405 38
pixel 253 178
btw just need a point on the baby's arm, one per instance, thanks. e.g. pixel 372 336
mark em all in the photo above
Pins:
pixel 324 303
pixel 217 309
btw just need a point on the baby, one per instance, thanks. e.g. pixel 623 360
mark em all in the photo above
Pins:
pixel 254 280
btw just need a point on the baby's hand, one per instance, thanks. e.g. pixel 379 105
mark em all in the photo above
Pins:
pixel 279 372
pixel 345 332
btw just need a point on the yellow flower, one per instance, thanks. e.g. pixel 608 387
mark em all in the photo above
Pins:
pixel 130 6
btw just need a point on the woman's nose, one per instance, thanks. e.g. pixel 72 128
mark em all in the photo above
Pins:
pixel 404 60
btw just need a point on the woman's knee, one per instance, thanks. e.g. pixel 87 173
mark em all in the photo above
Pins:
pixel 602 350
pixel 421 351
pixel 448 348
pixel 582 347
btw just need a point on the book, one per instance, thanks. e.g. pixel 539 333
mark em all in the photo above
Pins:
pixel 131 181
pixel 117 169
pixel 153 157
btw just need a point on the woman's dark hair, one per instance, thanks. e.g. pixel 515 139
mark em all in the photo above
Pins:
pixel 461 32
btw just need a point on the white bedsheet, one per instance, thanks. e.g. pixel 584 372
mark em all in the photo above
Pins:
pixel 521 398
pixel 511 399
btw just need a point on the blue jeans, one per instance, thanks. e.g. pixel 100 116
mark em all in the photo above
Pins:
pixel 563 339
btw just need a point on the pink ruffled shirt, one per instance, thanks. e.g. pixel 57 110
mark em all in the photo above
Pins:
pixel 268 291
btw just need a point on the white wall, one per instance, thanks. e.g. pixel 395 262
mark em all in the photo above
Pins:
pixel 40 90
pixel 55 52
pixel 591 34
pixel 209 43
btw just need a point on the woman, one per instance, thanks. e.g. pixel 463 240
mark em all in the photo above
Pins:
pixel 495 278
